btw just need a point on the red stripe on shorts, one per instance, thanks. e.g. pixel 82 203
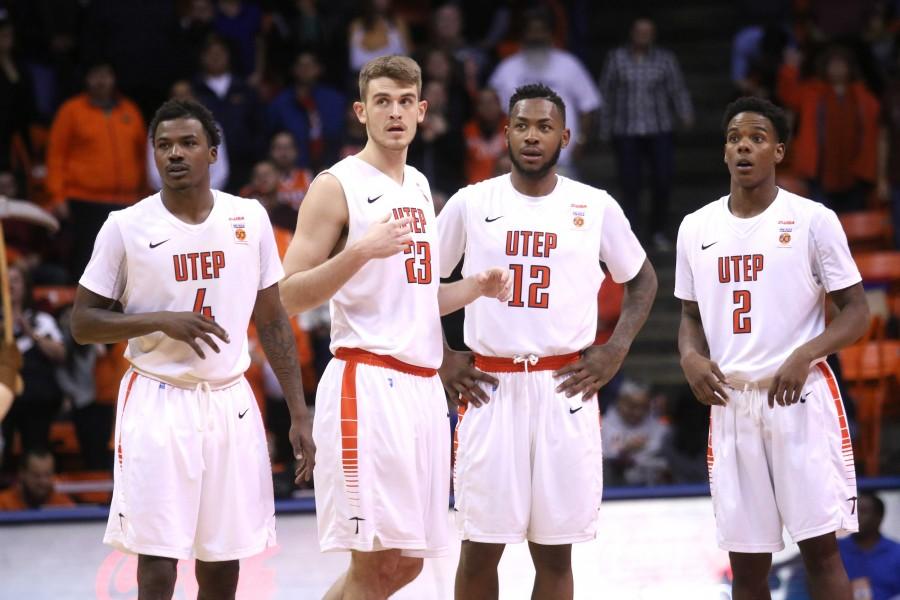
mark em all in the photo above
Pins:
pixel 122 418
pixel 349 434
pixel 846 445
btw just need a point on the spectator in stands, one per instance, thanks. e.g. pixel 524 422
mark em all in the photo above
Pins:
pixel 30 246
pixel 889 154
pixel 239 23
pixel 312 111
pixel 539 61
pixel 40 342
pixel 438 146
pixel 643 89
pixel 95 159
pixel 633 439
pixel 440 66
pixel 447 34
pixel 234 105
pixel 218 171
pixel 293 182
pixel 35 487
pixel 17 103
pixel 376 32
pixel 872 560
pixel 756 55
pixel 355 136
pixel 194 28
pixel 485 137
pixel 313 25
pixel 836 144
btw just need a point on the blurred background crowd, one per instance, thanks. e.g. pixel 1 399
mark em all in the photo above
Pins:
pixel 644 89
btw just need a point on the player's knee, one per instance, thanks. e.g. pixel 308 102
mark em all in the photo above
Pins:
pixel 553 561
pixel 156 577
pixel 820 554
pixel 476 558
pixel 407 569
pixel 749 569
pixel 217 579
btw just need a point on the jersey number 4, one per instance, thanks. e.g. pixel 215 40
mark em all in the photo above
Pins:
pixel 418 265
pixel 206 311
pixel 537 297
pixel 741 316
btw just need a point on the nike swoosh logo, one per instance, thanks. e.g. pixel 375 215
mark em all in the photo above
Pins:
pixel 803 398
pixel 371 200
pixel 705 246
pixel 152 245
pixel 490 220
pixel 241 415
pixel 572 411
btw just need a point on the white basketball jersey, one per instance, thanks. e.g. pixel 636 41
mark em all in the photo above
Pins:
pixel 552 246
pixel 760 282
pixel 149 260
pixel 390 306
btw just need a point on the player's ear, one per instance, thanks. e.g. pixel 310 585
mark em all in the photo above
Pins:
pixel 360 109
pixel 779 152
pixel 423 108
pixel 566 136
pixel 213 154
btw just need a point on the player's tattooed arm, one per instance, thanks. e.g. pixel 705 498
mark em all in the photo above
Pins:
pixel 99 320
pixel 846 327
pixel 703 375
pixel 598 364
pixel 277 340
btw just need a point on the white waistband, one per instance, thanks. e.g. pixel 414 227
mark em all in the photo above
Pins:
pixel 187 384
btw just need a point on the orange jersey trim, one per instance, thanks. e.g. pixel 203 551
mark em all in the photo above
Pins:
pixel 124 405
pixel 382 360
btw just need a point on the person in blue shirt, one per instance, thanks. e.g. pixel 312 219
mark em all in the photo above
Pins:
pixel 872 560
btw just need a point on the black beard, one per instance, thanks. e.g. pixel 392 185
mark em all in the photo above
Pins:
pixel 541 171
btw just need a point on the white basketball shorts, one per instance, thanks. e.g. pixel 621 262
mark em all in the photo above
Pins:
pixel 382 470
pixel 786 466
pixel 528 464
pixel 192 473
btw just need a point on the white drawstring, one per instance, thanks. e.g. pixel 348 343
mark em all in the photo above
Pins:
pixel 751 403
pixel 526 359
pixel 204 395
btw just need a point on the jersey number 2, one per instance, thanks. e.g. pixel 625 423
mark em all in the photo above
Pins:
pixel 421 272
pixel 741 318
pixel 206 311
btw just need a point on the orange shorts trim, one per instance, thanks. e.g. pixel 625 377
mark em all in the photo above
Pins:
pixel 382 360
pixel 496 364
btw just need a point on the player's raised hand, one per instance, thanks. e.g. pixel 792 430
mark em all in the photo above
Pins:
pixel 787 384
pixel 706 379
pixel 460 378
pixel 597 365
pixel 495 283
pixel 304 448
pixel 386 238
pixel 189 327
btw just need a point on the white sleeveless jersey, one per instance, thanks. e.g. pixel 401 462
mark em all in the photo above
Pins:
pixel 390 306
pixel 760 282
pixel 552 246
pixel 149 260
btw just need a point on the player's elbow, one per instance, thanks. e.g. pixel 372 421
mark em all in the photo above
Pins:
pixel 289 298
pixel 80 328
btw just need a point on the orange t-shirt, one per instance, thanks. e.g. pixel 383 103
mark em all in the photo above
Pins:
pixel 12 499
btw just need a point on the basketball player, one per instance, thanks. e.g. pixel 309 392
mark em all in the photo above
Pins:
pixel 366 239
pixel 753 271
pixel 528 456
pixel 179 275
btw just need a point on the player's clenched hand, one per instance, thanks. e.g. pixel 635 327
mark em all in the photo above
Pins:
pixel 705 378
pixel 495 283
pixel 460 378
pixel 189 327
pixel 787 384
pixel 386 238
pixel 301 438
pixel 592 371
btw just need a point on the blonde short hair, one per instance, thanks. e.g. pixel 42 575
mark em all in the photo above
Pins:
pixel 399 68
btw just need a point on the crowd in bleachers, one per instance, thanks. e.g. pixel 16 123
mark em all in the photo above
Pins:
pixel 79 80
